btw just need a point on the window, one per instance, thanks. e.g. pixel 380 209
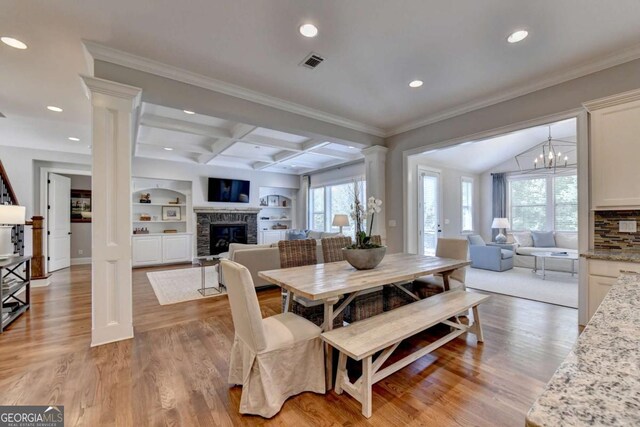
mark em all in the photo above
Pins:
pixel 331 200
pixel 467 204
pixel 566 203
pixel 544 203
pixel 528 204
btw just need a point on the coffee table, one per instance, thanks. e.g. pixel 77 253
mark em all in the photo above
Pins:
pixel 544 255
pixel 207 261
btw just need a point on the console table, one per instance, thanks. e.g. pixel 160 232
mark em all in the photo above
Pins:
pixel 13 280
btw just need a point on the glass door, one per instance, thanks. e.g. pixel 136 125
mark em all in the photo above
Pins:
pixel 429 212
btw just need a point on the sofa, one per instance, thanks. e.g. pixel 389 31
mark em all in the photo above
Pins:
pixel 526 244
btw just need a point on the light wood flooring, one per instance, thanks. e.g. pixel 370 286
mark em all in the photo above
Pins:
pixel 174 371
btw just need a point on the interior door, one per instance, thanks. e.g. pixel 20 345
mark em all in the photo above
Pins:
pixel 59 222
pixel 429 212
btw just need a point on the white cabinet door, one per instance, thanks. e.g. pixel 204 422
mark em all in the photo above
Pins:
pixel 271 236
pixel 598 288
pixel 615 148
pixel 147 250
pixel 176 248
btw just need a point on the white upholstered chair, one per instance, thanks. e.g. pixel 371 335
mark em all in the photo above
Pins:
pixel 273 358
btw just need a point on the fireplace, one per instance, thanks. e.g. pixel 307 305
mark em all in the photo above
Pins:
pixel 221 235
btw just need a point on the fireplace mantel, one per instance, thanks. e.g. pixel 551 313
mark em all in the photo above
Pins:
pixel 216 209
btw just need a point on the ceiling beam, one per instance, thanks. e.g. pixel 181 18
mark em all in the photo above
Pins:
pixel 337 154
pixel 240 130
pixel 167 123
pixel 265 141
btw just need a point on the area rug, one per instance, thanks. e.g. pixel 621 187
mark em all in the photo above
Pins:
pixel 559 288
pixel 174 286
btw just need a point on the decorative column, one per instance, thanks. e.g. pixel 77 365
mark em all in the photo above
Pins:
pixel 113 108
pixel 375 159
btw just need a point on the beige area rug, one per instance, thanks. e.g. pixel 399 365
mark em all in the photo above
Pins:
pixel 174 286
pixel 559 288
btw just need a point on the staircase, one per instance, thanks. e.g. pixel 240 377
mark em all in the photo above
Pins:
pixel 8 197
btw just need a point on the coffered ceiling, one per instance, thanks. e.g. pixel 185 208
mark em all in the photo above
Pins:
pixel 170 134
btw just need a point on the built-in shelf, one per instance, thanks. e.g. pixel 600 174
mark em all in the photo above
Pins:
pixel 275 220
pixel 157 222
pixel 158 204
pixel 160 234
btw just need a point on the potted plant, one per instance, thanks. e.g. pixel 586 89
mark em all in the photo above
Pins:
pixel 363 254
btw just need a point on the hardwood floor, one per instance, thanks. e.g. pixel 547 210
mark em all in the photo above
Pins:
pixel 174 371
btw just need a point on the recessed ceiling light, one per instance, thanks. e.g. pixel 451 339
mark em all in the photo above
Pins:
pixel 517 36
pixel 416 84
pixel 352 147
pixel 168 148
pixel 188 112
pixel 54 108
pixel 88 146
pixel 294 166
pixel 10 41
pixel 73 138
pixel 308 30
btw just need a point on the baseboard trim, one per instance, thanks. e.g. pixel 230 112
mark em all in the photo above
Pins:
pixel 80 261
pixel 40 283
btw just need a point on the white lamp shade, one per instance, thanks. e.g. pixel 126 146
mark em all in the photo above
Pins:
pixel 10 214
pixel 500 223
pixel 340 220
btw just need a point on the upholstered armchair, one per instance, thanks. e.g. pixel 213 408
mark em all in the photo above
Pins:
pixel 486 257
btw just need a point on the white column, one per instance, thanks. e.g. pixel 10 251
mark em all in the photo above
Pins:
pixel 113 108
pixel 375 159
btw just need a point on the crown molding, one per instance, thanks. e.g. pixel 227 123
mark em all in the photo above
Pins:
pixel 125 59
pixel 118 90
pixel 552 79
pixel 609 101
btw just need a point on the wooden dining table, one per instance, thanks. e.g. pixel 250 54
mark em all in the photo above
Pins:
pixel 330 281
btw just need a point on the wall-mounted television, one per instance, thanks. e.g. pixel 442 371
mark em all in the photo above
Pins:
pixel 228 190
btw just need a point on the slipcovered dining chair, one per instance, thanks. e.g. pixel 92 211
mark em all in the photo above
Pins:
pixel 445 248
pixel 272 358
pixel 298 253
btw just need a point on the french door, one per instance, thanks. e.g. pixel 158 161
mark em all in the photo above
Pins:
pixel 429 207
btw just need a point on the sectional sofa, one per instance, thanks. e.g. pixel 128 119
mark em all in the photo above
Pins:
pixel 525 246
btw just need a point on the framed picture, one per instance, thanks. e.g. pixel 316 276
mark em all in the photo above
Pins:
pixel 273 200
pixel 80 205
pixel 171 213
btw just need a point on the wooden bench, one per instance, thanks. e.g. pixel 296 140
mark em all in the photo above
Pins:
pixel 361 340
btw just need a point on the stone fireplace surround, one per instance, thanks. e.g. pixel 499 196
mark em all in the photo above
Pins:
pixel 205 216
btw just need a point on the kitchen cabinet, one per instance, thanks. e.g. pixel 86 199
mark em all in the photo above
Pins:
pixel 615 148
pixel 602 276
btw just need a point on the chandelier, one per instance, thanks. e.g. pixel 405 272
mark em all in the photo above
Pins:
pixel 548 156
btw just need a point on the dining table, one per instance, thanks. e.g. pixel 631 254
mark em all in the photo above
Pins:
pixel 329 282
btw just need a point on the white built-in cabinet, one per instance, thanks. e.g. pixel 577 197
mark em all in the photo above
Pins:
pixel 277 209
pixel 169 239
pixel 615 150
pixel 602 276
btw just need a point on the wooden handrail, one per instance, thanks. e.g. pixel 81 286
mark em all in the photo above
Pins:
pixel 7 183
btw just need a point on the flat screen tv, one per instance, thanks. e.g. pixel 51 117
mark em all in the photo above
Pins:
pixel 228 190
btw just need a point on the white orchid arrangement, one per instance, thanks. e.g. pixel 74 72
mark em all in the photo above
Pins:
pixel 359 214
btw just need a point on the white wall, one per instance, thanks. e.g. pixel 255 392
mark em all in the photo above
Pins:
pixel 451 183
pixel 199 175
pixel 23 167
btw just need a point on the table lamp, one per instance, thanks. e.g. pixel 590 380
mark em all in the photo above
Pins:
pixel 340 220
pixel 500 223
pixel 10 215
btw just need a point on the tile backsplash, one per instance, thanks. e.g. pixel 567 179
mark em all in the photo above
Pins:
pixel 606 234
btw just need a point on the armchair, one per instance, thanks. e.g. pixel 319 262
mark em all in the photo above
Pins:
pixel 488 257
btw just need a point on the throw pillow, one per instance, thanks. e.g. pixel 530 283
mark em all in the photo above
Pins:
pixel 296 235
pixel 567 240
pixel 314 235
pixel 523 239
pixel 543 239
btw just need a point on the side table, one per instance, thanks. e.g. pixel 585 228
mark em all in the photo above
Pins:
pixel 208 261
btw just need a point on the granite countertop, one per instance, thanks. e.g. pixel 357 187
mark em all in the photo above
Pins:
pixel 598 384
pixel 612 255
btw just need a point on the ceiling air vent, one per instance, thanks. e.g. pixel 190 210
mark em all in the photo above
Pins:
pixel 312 60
